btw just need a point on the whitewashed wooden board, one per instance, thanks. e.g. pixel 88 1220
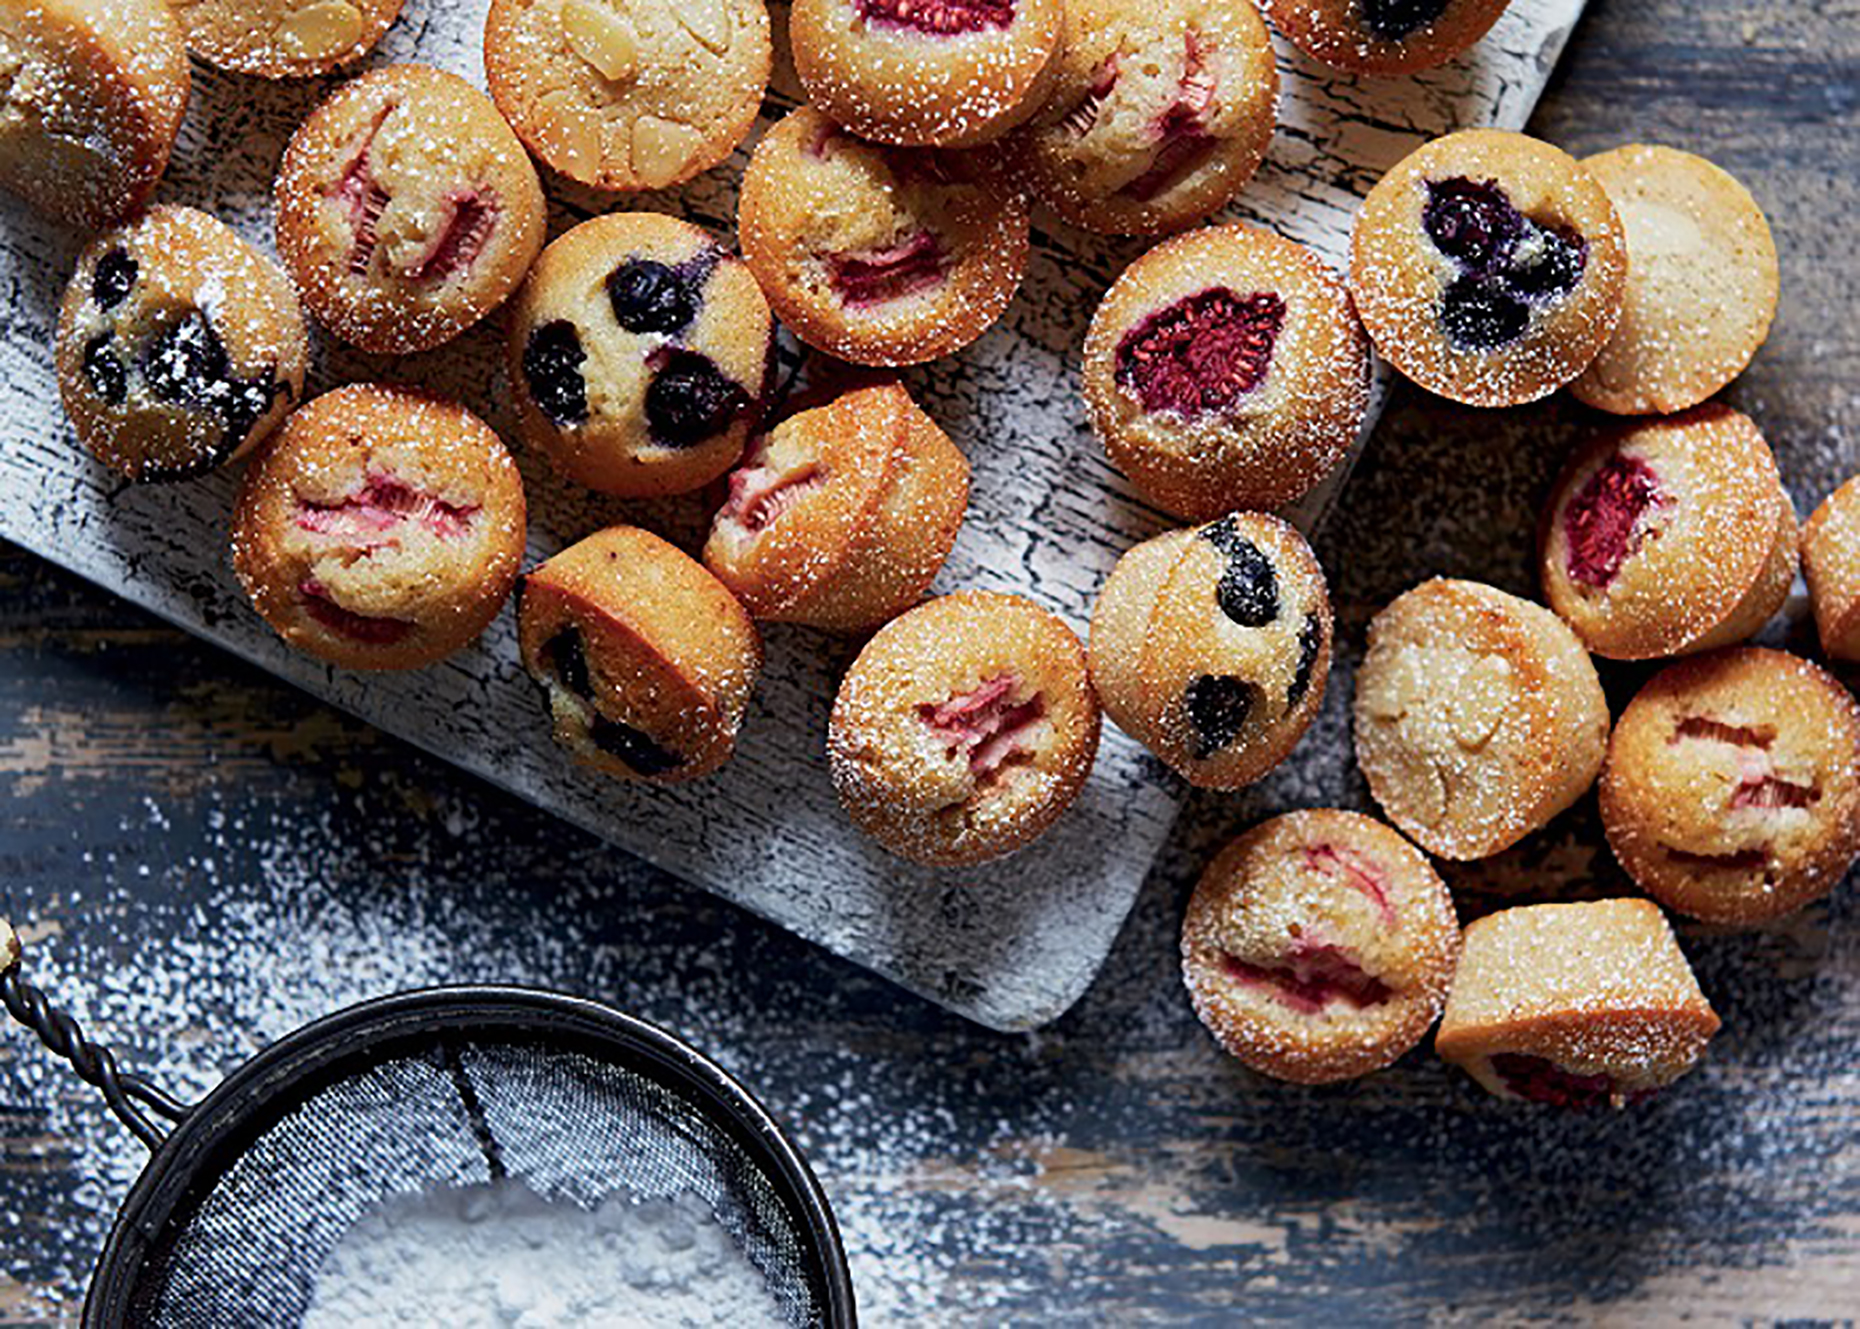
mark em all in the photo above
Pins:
pixel 1011 945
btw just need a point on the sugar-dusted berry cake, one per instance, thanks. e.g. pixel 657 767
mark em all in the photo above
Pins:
pixel 1384 36
pixel 1831 563
pixel 881 256
pixel 179 345
pixel 407 210
pixel 842 514
pixel 1225 369
pixel 963 729
pixel 1319 946
pixel 284 38
pixel 1488 267
pixel 1160 113
pixel 1575 1005
pixel 1669 535
pixel 1211 646
pixel 379 528
pixel 647 662
pixel 640 350
pixel 1732 790
pixel 1479 717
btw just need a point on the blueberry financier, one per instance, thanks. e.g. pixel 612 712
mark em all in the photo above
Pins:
pixel 1211 647
pixel 1831 564
pixel 963 729
pixel 1319 946
pixel 1732 790
pixel 647 661
pixel 179 346
pixel 284 38
pixel 407 210
pixel 1575 1005
pixel 1384 36
pixel 842 514
pixel 379 528
pixel 640 350
pixel 881 256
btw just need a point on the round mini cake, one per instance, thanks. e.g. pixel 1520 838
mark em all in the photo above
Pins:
pixel 1319 946
pixel 647 661
pixel 179 346
pixel 1488 267
pixel 407 210
pixel 841 515
pixel 284 38
pixel 1211 647
pixel 1226 370
pixel 95 91
pixel 1702 282
pixel 379 529
pixel 1668 536
pixel 639 95
pixel 879 256
pixel 1732 791
pixel 1159 113
pixel 1831 562
pixel 640 350
pixel 1478 717
pixel 927 73
pixel 964 728
pixel 1384 36
pixel 1575 1005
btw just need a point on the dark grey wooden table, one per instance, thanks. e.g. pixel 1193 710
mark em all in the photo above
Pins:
pixel 204 858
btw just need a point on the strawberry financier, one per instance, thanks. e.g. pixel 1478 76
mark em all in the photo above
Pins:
pixel 881 256
pixel 964 729
pixel 647 661
pixel 842 514
pixel 1575 1005
pixel 1319 946
pixel 379 529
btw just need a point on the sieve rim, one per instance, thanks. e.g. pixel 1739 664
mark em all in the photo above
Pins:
pixel 174 1169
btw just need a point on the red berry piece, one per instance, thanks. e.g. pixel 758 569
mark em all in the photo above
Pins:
pixel 1203 353
pixel 1311 976
pixel 987 724
pixel 1602 519
pixel 863 280
pixel 938 18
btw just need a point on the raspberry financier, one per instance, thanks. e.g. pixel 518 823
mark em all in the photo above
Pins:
pixel 842 514
pixel 284 38
pixel 407 210
pixel 1319 946
pixel 647 661
pixel 1384 36
pixel 881 256
pixel 1732 791
pixel 179 347
pixel 1669 536
pixel 1575 1005
pixel 1159 114
pixel 927 73
pixel 640 350
pixel 964 729
pixel 1831 564
pixel 379 529
pixel 1211 647
pixel 1225 370
pixel 1488 267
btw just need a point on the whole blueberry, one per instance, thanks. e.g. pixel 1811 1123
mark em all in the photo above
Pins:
pixel 552 369
pixel 632 746
pixel 113 279
pixel 1248 591
pixel 1218 707
pixel 1472 221
pixel 185 363
pixel 649 296
pixel 1547 265
pixel 104 369
pixel 1478 314
pixel 242 402
pixel 564 656
pixel 690 401
pixel 1391 20
pixel 1310 642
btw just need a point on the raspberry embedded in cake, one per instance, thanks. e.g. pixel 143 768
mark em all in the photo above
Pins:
pixel 471 216
pixel 987 725
pixel 865 279
pixel 760 492
pixel 938 18
pixel 1541 1080
pixel 1180 133
pixel 366 629
pixel 1203 353
pixel 1603 520
pixel 1311 976
pixel 374 514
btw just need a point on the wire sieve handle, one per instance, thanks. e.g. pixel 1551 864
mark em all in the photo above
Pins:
pixel 95 1065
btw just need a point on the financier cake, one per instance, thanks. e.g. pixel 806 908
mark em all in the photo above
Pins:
pixel 880 256
pixel 640 350
pixel 927 73
pixel 1831 563
pixel 1669 535
pixel 963 729
pixel 1211 647
pixel 1479 717
pixel 1159 114
pixel 1384 36
pixel 1319 946
pixel 647 662
pixel 842 514
pixel 407 210
pixel 284 38
pixel 1575 1005
pixel 179 345
pixel 1226 370
pixel 1488 267
pixel 1732 790
pixel 379 528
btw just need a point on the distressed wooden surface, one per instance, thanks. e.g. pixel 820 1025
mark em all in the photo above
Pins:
pixel 203 852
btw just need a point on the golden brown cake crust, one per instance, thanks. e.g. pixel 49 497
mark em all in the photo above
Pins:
pixel 284 38
pixel 1831 562
pixel 1333 32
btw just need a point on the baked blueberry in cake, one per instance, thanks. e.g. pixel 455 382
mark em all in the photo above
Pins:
pixel 1831 564
pixel 1384 36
